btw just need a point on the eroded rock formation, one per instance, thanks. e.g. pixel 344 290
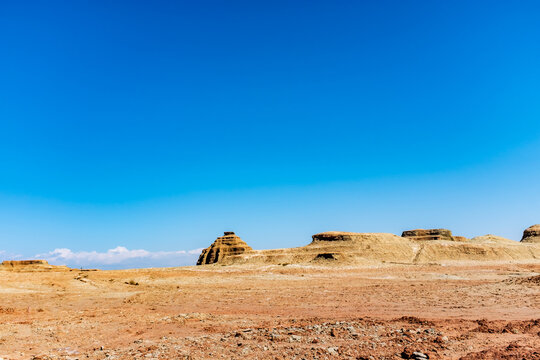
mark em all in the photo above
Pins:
pixel 334 248
pixel 30 265
pixel 226 245
pixel 334 236
pixel 429 234
pixel 531 234
pixel 24 262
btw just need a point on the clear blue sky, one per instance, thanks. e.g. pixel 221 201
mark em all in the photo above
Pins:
pixel 158 125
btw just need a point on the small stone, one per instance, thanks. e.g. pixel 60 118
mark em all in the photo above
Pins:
pixel 295 338
pixel 441 339
pixel 333 350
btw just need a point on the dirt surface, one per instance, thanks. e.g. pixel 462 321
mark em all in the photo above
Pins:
pixel 274 312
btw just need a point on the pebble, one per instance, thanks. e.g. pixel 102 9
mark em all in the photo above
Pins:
pixel 333 351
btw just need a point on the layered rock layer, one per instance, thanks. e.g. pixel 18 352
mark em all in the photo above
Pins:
pixel 30 265
pixel 24 262
pixel 336 248
pixel 335 236
pixel 531 234
pixel 226 245
pixel 429 234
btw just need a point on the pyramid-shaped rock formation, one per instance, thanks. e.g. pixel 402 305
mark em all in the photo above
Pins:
pixel 429 234
pixel 226 245
pixel 531 234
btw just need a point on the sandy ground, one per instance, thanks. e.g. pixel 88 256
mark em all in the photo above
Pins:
pixel 274 312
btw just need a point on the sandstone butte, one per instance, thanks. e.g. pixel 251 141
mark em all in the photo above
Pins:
pixel 531 235
pixel 418 246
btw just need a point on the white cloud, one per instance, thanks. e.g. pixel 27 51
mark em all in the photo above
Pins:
pixel 120 255
pixel 4 255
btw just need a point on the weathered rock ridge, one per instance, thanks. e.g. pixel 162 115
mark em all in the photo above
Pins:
pixel 226 245
pixel 531 234
pixel 414 247
pixel 429 234
pixel 30 265
pixel 335 236
pixel 24 262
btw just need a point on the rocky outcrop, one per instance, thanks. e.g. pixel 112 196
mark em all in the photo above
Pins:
pixel 226 245
pixel 24 262
pixel 335 236
pixel 531 234
pixel 335 248
pixel 30 265
pixel 429 234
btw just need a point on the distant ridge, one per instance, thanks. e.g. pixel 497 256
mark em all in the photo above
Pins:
pixel 418 246
pixel 30 265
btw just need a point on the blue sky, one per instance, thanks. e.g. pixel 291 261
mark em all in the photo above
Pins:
pixel 157 126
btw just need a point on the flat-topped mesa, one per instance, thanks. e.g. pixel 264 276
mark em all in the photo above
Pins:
pixel 30 266
pixel 335 236
pixel 24 262
pixel 531 234
pixel 428 234
pixel 226 245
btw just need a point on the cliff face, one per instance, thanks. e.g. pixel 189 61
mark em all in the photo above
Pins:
pixel 429 234
pixel 531 234
pixel 226 245
pixel 334 236
pixel 24 262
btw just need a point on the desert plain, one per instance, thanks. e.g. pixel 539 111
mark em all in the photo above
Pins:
pixel 470 310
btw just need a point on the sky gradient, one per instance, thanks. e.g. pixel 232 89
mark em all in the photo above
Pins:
pixel 129 126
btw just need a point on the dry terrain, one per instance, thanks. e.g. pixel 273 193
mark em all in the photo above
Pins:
pixel 387 311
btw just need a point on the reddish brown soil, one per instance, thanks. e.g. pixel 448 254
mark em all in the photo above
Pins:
pixel 273 312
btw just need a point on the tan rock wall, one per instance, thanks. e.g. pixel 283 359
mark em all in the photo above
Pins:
pixel 429 234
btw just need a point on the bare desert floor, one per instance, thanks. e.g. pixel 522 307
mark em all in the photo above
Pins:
pixel 388 311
